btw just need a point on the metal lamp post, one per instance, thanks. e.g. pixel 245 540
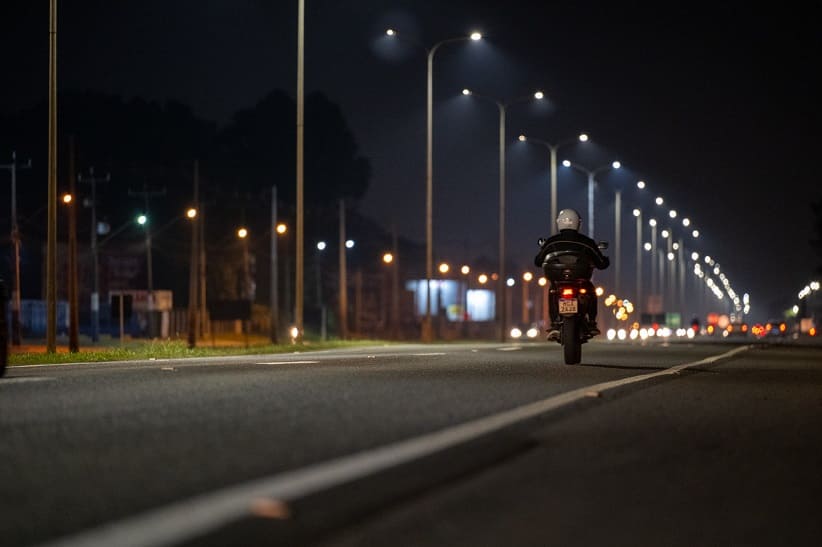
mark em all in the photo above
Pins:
pixel 503 107
pixel 427 331
pixel 553 155
pixel 591 173
pixel 637 212
pixel 15 240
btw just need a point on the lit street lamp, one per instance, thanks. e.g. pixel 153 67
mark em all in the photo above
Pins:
pixel 591 182
pixel 321 246
pixel 638 214
pixel 553 150
pixel 427 333
pixel 242 234
pixel 503 107
pixel 95 260
pixel 526 278
pixel 191 215
pixel 652 223
pixel 15 240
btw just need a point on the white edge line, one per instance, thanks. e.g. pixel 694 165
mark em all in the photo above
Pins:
pixel 196 516
pixel 289 363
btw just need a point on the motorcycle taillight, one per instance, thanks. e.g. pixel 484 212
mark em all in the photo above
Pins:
pixel 567 292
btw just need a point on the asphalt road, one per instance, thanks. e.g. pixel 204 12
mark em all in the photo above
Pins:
pixel 480 444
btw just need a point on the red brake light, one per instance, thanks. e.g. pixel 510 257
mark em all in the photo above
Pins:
pixel 567 292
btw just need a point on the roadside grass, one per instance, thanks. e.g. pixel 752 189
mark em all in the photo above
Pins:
pixel 173 349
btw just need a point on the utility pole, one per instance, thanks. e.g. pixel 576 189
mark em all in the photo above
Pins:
pixel 15 240
pixel 51 230
pixel 204 326
pixel 147 195
pixel 193 271
pixel 299 237
pixel 74 313
pixel 95 261
pixel 343 276
pixel 395 285
pixel 274 301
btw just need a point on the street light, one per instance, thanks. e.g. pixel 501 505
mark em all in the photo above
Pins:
pixel 391 259
pixel 526 277
pixel 591 181
pixel 191 215
pixel 503 106
pixel 321 246
pixel 15 240
pixel 553 152
pixel 142 220
pixel 638 215
pixel 427 333
pixel 242 234
pixel 652 223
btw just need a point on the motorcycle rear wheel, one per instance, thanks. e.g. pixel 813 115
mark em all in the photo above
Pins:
pixel 571 344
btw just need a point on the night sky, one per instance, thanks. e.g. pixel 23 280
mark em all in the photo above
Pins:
pixel 715 106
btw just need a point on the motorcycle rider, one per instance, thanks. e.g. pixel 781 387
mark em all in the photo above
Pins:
pixel 569 239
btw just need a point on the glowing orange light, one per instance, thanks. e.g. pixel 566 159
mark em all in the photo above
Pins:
pixel 812 331
pixel 567 292
pixel 782 327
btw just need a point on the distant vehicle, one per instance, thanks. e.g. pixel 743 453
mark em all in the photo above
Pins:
pixel 776 328
pixel 737 329
pixel 526 332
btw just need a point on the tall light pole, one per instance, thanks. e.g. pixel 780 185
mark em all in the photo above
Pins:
pixel 321 246
pixel 143 220
pixel 15 240
pixel 343 298
pixel 95 265
pixel 427 331
pixel 298 283
pixel 191 215
pixel 503 107
pixel 51 244
pixel 553 154
pixel 526 278
pixel 652 223
pixel 248 293
pixel 638 215
pixel 591 173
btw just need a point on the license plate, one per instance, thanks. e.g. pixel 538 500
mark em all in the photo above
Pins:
pixel 568 305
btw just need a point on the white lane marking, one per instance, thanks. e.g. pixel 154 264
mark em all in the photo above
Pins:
pixel 25 380
pixel 510 348
pixel 289 363
pixel 432 354
pixel 197 516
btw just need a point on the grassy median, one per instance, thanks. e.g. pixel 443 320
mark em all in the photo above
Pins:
pixel 169 349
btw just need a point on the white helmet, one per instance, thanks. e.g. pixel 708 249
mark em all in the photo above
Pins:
pixel 568 219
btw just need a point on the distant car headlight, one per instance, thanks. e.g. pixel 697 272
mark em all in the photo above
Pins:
pixel 516 333
pixel 532 332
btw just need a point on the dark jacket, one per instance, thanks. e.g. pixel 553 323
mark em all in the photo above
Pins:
pixel 571 240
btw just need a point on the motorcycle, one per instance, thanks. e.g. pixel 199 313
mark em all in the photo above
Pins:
pixel 570 276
